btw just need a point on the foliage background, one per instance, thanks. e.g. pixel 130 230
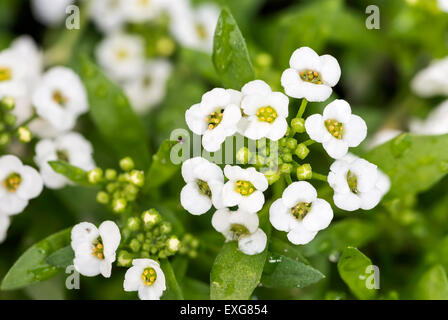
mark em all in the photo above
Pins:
pixel 405 237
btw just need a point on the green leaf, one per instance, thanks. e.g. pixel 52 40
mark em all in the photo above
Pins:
pixel 352 267
pixel 62 258
pixel 280 247
pixel 230 55
pixel 74 174
pixel 111 112
pixel 195 289
pixel 162 169
pixel 433 285
pixel 283 272
pixel 413 163
pixel 173 290
pixel 32 266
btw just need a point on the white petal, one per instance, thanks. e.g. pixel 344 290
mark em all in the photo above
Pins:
pixel 278 129
pixel 280 103
pixel 132 278
pixel 254 243
pixel 315 128
pixel 330 70
pixel 347 201
pixel 230 197
pixel 84 232
pixel 4 225
pixel 188 166
pixel 12 204
pixel 366 173
pixel 355 131
pixel 245 218
pixel 257 87
pixel 221 220
pixel 338 110
pixel 301 235
pixel 110 234
pixel 193 201
pixel 297 192
pixel 383 183
pixel 252 203
pixel 370 199
pixel 319 217
pixel 258 179
pixel 31 185
pixel 335 148
pixel 279 216
pixel 212 139
pixel 305 58
pixel 196 119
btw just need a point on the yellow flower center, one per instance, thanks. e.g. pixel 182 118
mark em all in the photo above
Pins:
pixel 214 118
pixel 122 54
pixel 98 248
pixel 59 98
pixel 62 155
pixel 202 31
pixel 352 181
pixel 300 210
pixel 335 128
pixel 239 230
pixel 12 182
pixel 5 73
pixel 245 188
pixel 310 76
pixel 204 188
pixel 149 276
pixel 267 114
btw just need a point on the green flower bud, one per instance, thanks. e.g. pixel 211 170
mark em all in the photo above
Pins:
pixel 302 151
pixel 140 237
pixel 286 168
pixel 111 187
pixel 144 254
pixel 124 258
pixel 5 138
pixel 243 155
pixel 291 143
pixel 163 254
pixel 95 175
pixel 282 142
pixel 264 60
pixel 137 177
pixel 146 247
pixel 173 244
pixel 135 245
pixel 24 134
pixel 9 119
pixel 304 172
pixel 298 125
pixel 127 164
pixel 259 160
pixel 119 205
pixel 261 143
pixel 151 218
pixel 102 197
pixel 134 223
pixel 288 131
pixel 111 174
pixel 272 176
pixel 166 227
pixel 165 46
pixel 7 103
pixel 287 157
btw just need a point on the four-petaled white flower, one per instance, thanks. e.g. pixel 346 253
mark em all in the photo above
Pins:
pixel 72 148
pixel 4 225
pixel 205 181
pixel 311 76
pixel 147 278
pixel 357 183
pixel 60 98
pixel 216 117
pixel 18 184
pixel 432 80
pixel 121 55
pixel 95 247
pixel 242 226
pixel 109 15
pixel 265 112
pixel 436 123
pixel 194 27
pixel 300 213
pixel 148 89
pixel 244 189
pixel 338 129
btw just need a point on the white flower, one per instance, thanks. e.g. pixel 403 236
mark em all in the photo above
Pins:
pixel 147 278
pixel 50 12
pixel 18 184
pixel 148 89
pixel 338 129
pixel 216 117
pixel 443 5
pixel 30 55
pixel 95 248
pixel 436 123
pixel 357 183
pixel 432 80
pixel 13 70
pixel 311 76
pixel 194 27
pixel 121 55
pixel 143 10
pixel 72 148
pixel 242 226
pixel 204 185
pixel 265 112
pixel 300 213
pixel 109 15
pixel 245 188
pixel 60 98
pixel 382 137
pixel 4 225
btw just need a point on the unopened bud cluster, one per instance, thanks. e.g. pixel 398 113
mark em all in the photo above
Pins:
pixel 148 236
pixel 8 122
pixel 119 189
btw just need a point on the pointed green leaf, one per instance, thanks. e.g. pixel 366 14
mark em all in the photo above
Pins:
pixel 230 55
pixel 32 266
pixel 62 258
pixel 111 112
pixel 173 290
pixel 74 174
pixel 353 269
pixel 433 285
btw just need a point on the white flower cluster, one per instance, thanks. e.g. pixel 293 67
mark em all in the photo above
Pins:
pixel 95 251
pixel 257 112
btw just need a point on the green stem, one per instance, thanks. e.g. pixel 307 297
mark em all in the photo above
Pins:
pixel 302 108
pixel 318 176
pixel 309 142
pixel 27 121
pixel 288 178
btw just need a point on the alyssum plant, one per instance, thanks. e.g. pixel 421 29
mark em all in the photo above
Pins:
pixel 140 238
